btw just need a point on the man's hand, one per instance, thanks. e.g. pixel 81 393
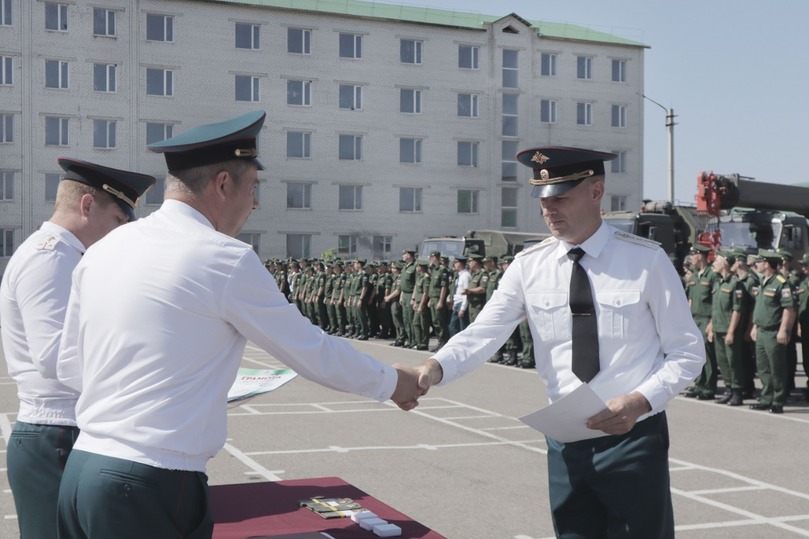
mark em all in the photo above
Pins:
pixel 430 373
pixel 407 392
pixel 621 414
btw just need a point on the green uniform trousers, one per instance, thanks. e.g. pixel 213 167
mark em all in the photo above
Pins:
pixel 773 370
pixel 108 497
pixel 407 317
pixel 730 360
pixel 706 381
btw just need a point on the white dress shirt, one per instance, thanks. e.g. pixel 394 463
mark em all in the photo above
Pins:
pixel 33 300
pixel 464 278
pixel 648 341
pixel 159 315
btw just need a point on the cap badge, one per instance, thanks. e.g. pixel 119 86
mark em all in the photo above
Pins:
pixel 540 158
pixel 246 152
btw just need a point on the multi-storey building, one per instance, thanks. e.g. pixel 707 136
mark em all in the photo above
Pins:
pixel 386 123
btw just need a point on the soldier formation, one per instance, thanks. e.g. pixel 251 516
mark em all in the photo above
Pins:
pixel 752 309
pixel 406 301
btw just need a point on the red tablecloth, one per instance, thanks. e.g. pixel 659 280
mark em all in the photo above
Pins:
pixel 271 508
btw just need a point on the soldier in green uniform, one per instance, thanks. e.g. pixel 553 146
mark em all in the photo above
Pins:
pixel 329 313
pixel 773 317
pixel 803 320
pixel 319 295
pixel 362 295
pixel 438 294
pixel 750 279
pixel 517 341
pixel 725 329
pixel 421 310
pixel 384 281
pixel 794 279
pixel 476 293
pixel 408 282
pixel 281 277
pixel 395 307
pixel 699 289
pixel 338 298
pixel 374 323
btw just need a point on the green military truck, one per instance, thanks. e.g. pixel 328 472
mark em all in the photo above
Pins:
pixel 481 242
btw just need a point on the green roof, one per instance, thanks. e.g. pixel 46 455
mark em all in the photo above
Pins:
pixel 432 16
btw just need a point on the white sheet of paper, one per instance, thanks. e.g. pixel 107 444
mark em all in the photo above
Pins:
pixel 566 419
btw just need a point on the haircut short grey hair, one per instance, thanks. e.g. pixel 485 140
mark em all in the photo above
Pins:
pixel 194 180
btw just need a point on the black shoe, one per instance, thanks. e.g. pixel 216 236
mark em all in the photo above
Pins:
pixel 690 393
pixel 749 394
pixel 362 338
pixel 527 365
pixel 397 344
pixel 724 399
pixel 760 406
pixel 493 359
pixel 736 399
pixel 705 396
pixel 777 409
pixel 421 347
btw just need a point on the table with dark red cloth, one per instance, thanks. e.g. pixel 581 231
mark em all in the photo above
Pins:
pixel 271 508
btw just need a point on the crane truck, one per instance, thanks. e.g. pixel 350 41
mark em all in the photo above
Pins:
pixel 732 211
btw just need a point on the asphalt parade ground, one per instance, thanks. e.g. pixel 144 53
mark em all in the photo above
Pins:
pixel 463 465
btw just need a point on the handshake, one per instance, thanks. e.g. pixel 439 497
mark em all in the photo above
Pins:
pixel 414 382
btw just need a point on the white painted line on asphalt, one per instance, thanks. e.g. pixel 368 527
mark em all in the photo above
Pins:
pixel 506 428
pixel 725 490
pixel 429 447
pixel 252 464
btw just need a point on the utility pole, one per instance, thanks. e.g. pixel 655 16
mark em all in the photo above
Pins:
pixel 670 126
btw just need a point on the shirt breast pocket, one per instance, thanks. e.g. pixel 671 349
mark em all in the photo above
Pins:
pixel 616 310
pixel 550 313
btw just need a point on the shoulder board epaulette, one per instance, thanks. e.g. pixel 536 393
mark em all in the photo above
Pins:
pixel 632 238
pixel 541 245
pixel 781 279
pixel 48 243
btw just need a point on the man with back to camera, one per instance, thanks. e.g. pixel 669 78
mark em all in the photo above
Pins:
pixel 633 342
pixel 156 326
pixel 91 200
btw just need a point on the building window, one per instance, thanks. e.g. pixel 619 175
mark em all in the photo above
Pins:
pixel 247 88
pixel 618 202
pixel 410 199
pixel 350 148
pixel 350 97
pixel 253 239
pixel 619 116
pixel 382 246
pixel 104 77
pixel 350 46
pixel 6 71
pixel 350 197
pixel 508 207
pixel 508 158
pixel 56 74
pixel 584 67
pixel 6 128
pixel 410 51
pixel 51 186
pixel 410 150
pixel 55 16
pixel 5 13
pixel 468 200
pixel 6 242
pixel 6 185
pixel 299 196
pixel 619 70
pixel 468 154
pixel 158 132
pixel 510 69
pixel 468 57
pixel 155 194
pixel 547 111
pixel 159 82
pixel 299 145
pixel 103 22
pixel 509 116
pixel 299 245
pixel 347 245
pixel 547 64
pixel 299 92
pixel 56 131
pixel 618 165
pixel 468 105
pixel 159 27
pixel 104 134
pixel 299 41
pixel 584 113
pixel 410 101
pixel 247 36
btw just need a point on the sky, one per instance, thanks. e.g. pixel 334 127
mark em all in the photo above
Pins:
pixel 735 72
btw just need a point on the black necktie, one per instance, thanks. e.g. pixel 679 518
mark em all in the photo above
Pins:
pixel 585 326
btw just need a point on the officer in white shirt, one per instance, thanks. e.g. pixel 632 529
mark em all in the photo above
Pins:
pixel 91 200
pixel 643 349
pixel 459 318
pixel 156 327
